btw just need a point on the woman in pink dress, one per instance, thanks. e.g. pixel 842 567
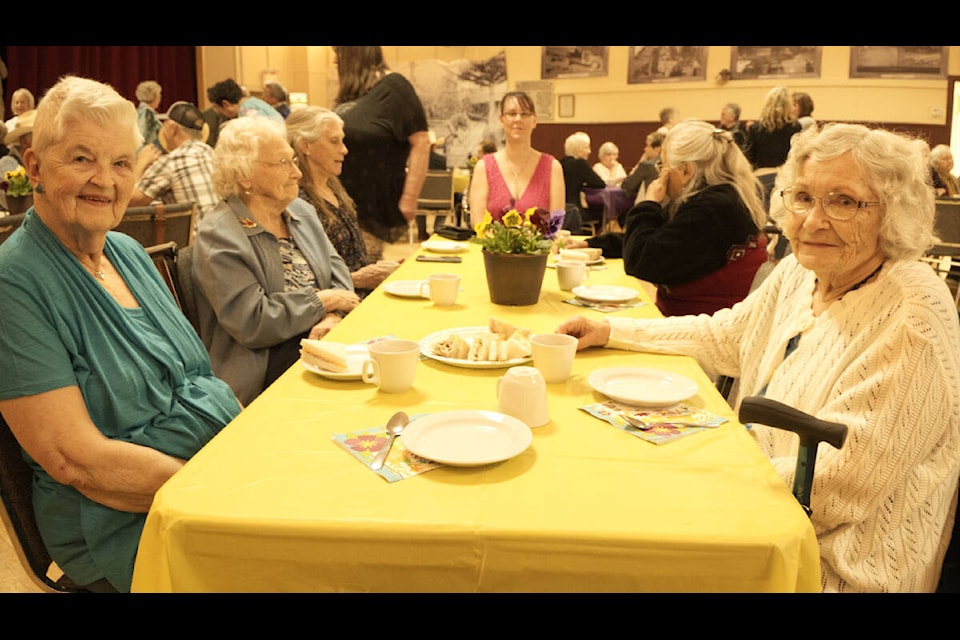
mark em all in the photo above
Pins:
pixel 517 176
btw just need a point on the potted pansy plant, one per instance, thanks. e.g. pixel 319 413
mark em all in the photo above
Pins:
pixel 17 189
pixel 515 250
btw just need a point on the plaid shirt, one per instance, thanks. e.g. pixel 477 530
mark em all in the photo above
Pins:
pixel 183 175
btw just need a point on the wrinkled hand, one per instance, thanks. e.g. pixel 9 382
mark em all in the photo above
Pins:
pixel 578 243
pixel 323 327
pixel 338 299
pixel 657 190
pixel 408 207
pixel 370 276
pixel 589 333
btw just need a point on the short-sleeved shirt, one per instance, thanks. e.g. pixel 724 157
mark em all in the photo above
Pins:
pixel 183 175
pixel 143 373
pixel 376 129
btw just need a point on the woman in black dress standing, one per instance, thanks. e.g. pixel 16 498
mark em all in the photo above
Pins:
pixel 386 130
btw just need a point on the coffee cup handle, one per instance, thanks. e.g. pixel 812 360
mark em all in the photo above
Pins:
pixel 370 373
pixel 424 289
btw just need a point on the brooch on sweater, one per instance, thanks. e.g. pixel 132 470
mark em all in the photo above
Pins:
pixel 247 223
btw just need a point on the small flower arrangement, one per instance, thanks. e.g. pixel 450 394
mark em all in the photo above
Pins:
pixel 16 183
pixel 510 231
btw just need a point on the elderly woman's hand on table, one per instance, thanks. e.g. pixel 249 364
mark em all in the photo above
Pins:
pixel 589 333
pixel 338 299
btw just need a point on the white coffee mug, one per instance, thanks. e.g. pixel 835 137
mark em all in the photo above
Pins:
pixel 553 355
pixel 392 365
pixel 570 273
pixel 522 393
pixel 442 288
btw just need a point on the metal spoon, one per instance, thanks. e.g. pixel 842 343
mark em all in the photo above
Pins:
pixel 394 426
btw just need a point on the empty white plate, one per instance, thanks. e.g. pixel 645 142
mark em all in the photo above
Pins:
pixel 444 246
pixel 466 438
pixel 605 293
pixel 644 387
pixel 356 354
pixel 405 288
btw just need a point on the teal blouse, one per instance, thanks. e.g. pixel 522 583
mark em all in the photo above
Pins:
pixel 144 374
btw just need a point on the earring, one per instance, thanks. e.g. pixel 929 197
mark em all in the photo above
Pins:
pixel 39 188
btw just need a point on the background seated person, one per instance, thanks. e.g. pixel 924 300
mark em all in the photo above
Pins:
pixel 645 171
pixel 578 174
pixel 609 167
pixel 854 329
pixel 697 233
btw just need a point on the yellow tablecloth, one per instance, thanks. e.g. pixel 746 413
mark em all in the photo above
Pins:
pixel 274 504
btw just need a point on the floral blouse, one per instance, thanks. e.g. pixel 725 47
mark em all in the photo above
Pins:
pixel 344 232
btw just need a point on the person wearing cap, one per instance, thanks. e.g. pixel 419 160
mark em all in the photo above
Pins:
pixel 183 173
pixel 275 94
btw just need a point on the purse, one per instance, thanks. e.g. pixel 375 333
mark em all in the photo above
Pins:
pixel 454 233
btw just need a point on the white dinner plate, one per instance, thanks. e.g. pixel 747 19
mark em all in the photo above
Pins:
pixel 605 293
pixel 466 333
pixel 444 246
pixel 356 354
pixel 466 438
pixel 405 288
pixel 644 387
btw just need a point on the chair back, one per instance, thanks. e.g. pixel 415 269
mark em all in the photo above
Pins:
pixel 158 223
pixel 188 300
pixel 947 221
pixel 436 196
pixel 9 224
pixel 165 258
pixel 16 511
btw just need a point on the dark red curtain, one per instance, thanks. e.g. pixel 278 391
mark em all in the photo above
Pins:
pixel 39 67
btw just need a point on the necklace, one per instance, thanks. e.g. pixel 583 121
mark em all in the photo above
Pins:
pixel 99 274
pixel 859 284
pixel 516 174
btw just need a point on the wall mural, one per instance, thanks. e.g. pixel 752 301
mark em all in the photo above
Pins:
pixel 898 62
pixel 573 62
pixel 775 62
pixel 666 64
pixel 461 99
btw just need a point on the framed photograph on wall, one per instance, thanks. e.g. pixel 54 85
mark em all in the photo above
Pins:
pixel 898 62
pixel 566 105
pixel 666 64
pixel 573 62
pixel 774 62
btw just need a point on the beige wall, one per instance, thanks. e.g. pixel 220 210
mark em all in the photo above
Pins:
pixel 610 98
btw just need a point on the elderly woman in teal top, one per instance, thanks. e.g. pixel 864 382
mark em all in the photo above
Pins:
pixel 102 380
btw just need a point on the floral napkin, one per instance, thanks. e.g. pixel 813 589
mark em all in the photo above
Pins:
pixel 605 307
pixel 666 424
pixel 365 444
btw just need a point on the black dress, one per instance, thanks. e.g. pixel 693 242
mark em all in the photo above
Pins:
pixel 376 130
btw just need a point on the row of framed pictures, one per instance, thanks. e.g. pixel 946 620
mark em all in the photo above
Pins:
pixel 671 64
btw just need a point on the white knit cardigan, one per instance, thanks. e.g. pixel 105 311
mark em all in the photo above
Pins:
pixel 885 361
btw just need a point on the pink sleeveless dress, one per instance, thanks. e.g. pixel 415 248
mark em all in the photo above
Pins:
pixel 537 193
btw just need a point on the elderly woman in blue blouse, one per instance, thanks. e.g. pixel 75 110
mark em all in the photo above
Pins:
pixel 265 273
pixel 102 380
pixel 854 329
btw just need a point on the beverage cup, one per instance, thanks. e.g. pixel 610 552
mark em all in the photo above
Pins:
pixel 392 364
pixel 570 273
pixel 522 393
pixel 553 355
pixel 442 288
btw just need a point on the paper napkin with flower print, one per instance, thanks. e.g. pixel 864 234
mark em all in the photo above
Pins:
pixel 400 463
pixel 665 424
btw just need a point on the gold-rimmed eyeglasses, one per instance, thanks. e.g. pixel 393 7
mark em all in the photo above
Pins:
pixel 283 163
pixel 837 206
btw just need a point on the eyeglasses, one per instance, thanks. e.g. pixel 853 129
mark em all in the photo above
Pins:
pixel 837 206
pixel 513 115
pixel 283 163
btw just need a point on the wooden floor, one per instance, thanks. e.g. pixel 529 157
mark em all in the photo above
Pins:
pixel 13 578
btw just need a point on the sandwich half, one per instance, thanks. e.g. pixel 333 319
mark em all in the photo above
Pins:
pixel 329 356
